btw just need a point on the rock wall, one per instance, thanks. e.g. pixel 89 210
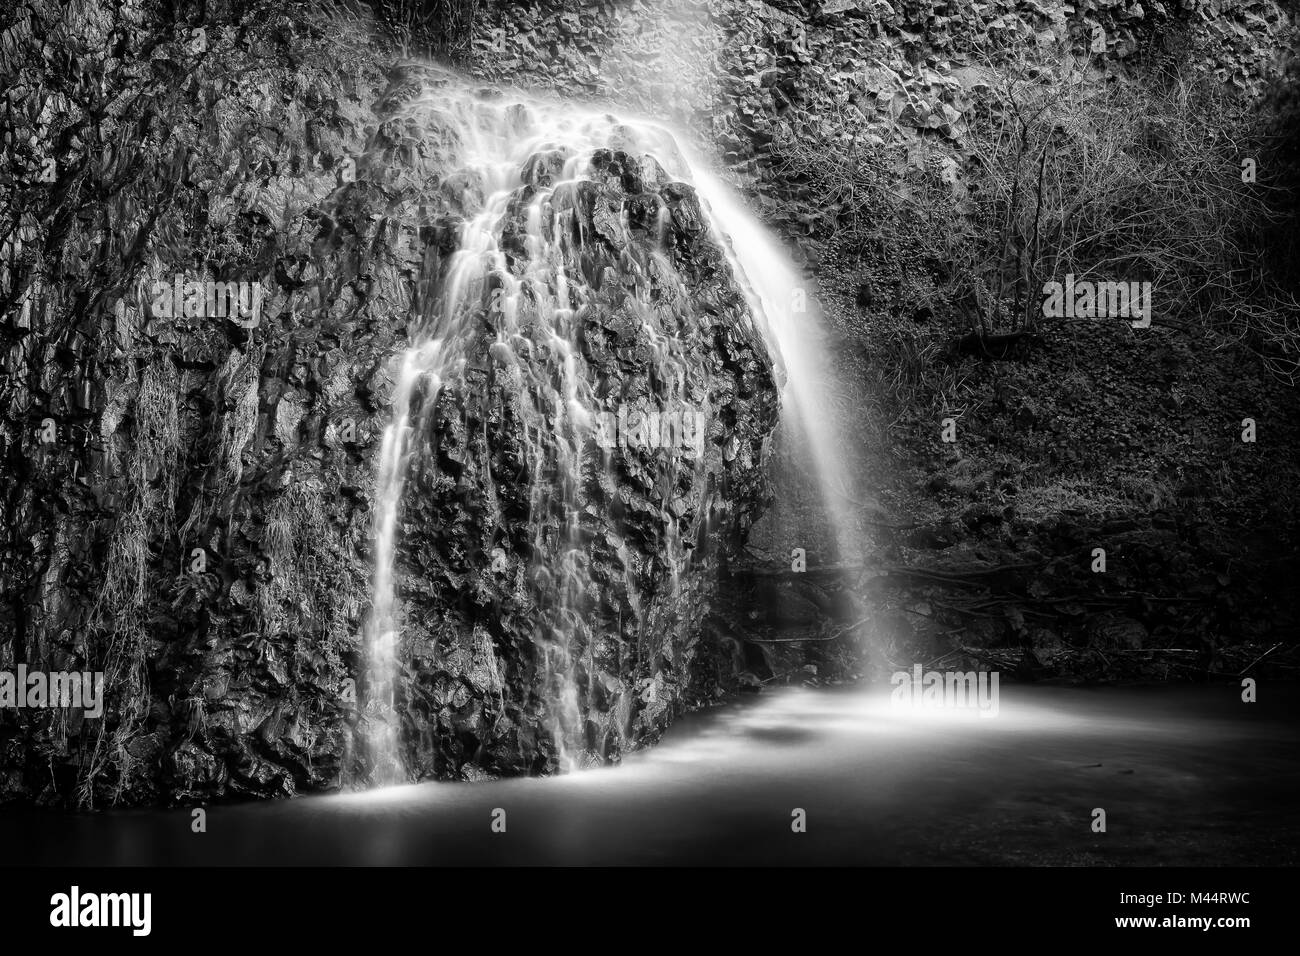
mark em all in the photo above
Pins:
pixel 181 508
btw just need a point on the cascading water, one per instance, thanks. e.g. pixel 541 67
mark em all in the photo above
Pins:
pixel 516 166
pixel 814 443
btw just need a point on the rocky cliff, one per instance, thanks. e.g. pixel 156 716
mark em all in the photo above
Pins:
pixel 189 466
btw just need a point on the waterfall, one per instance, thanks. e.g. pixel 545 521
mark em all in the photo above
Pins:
pixel 515 164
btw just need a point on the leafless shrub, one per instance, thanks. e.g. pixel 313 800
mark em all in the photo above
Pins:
pixel 1056 173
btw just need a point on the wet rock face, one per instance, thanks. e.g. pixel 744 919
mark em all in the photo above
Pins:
pixel 201 528
pixel 494 519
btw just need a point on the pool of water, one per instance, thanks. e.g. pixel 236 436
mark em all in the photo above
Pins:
pixel 1186 775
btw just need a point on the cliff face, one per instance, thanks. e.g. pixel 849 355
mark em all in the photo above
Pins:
pixel 181 507
pixel 189 487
